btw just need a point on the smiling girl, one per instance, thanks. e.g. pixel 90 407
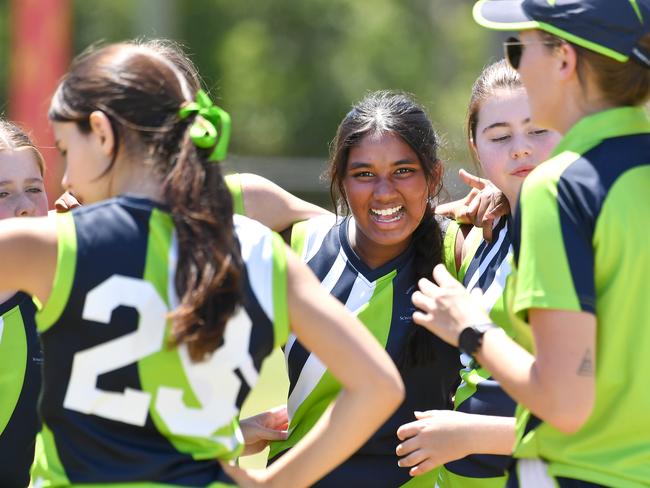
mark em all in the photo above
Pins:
pixel 383 174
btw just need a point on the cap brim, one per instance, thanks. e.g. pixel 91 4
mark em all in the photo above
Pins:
pixel 503 15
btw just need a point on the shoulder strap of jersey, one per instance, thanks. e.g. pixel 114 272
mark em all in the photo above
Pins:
pixel 298 237
pixel 449 247
pixel 66 262
pixel 307 236
pixel 280 298
pixel 472 242
pixel 233 182
pixel 264 254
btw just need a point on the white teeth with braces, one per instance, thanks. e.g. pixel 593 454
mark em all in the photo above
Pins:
pixel 386 211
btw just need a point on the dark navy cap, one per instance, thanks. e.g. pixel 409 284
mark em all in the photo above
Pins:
pixel 609 27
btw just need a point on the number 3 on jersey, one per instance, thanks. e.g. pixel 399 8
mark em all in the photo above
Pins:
pixel 214 381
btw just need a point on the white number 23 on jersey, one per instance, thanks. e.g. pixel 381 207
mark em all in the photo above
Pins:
pixel 213 381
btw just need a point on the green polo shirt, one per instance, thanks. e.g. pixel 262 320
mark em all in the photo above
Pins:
pixel 581 244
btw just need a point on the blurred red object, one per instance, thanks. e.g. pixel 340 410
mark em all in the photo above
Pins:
pixel 40 54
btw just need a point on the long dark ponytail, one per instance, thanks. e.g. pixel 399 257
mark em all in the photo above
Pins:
pixel 140 87
pixel 396 112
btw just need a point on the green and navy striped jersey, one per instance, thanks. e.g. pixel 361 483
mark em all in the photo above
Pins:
pixel 20 381
pixel 120 405
pixel 488 270
pixel 381 299
pixel 581 244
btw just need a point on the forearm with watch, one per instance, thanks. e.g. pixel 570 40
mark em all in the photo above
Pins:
pixel 509 363
pixel 530 380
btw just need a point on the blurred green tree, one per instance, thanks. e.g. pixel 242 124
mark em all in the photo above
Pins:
pixel 289 70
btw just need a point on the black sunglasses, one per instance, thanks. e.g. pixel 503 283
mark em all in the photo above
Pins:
pixel 513 49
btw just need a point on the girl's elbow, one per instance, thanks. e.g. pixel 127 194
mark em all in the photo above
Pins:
pixel 390 389
pixel 572 416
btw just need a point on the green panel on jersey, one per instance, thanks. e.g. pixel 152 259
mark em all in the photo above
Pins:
pixel 233 182
pixel 449 248
pixel 611 448
pixel 472 242
pixel 164 368
pixel 538 203
pixel 280 300
pixel 376 316
pixel 308 413
pixel 447 479
pixel 47 462
pixel 66 261
pixel 427 480
pixel 298 236
pixel 13 362
pixel 621 386
pixel 156 269
pixel 539 206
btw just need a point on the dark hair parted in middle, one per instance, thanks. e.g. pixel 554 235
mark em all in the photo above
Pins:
pixel 398 113
pixel 140 87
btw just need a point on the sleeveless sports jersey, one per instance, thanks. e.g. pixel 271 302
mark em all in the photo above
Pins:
pixel 119 404
pixel 586 212
pixel 20 380
pixel 381 299
pixel 233 182
pixel 478 393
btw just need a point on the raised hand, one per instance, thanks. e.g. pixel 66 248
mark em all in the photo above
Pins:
pixel 446 308
pixel 480 207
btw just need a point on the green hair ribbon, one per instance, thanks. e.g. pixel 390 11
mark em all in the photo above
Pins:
pixel 211 128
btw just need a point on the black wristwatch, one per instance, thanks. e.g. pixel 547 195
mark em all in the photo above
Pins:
pixel 471 338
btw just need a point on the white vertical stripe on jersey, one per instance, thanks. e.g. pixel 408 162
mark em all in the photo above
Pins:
pixel 328 283
pixel 313 369
pixel 533 473
pixel 172 261
pixel 495 290
pixel 486 262
pixel 257 253
pixel 496 287
pixel 317 230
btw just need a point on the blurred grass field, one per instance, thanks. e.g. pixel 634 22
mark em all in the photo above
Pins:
pixel 271 390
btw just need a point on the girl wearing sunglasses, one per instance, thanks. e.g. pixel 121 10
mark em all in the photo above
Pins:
pixel 586 68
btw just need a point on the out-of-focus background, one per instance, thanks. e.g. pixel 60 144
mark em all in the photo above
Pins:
pixel 287 70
